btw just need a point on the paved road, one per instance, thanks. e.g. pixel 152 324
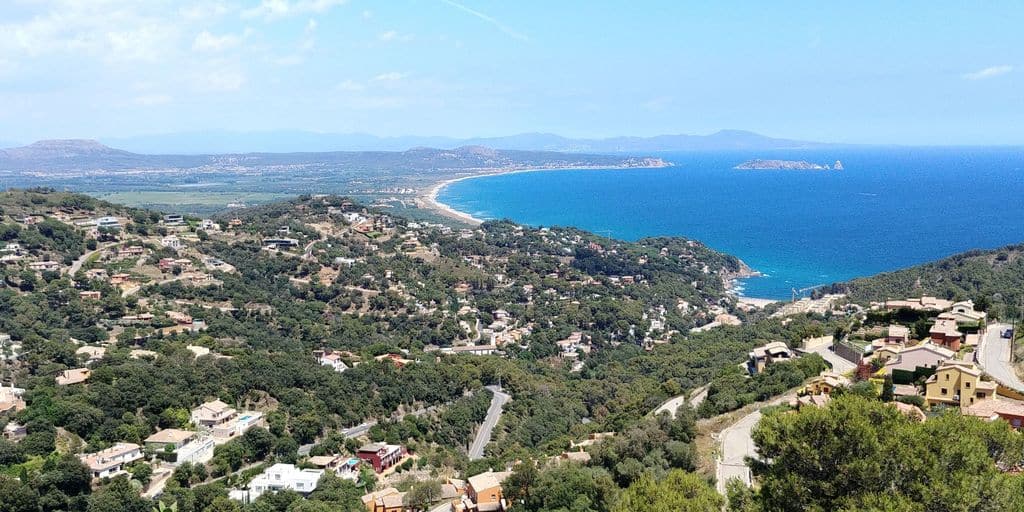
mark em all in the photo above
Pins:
pixel 697 396
pixel 77 264
pixel 994 357
pixel 735 445
pixel 839 365
pixel 365 427
pixel 483 436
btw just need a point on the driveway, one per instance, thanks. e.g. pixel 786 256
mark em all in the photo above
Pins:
pixel 994 357
pixel 839 365
pixel 735 445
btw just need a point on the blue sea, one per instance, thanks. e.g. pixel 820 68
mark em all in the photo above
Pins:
pixel 890 208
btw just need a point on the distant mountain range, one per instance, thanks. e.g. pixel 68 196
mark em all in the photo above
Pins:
pixel 80 154
pixel 218 142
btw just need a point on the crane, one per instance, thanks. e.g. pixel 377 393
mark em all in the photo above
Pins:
pixel 801 291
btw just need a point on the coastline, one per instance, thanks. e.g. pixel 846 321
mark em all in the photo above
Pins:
pixel 428 199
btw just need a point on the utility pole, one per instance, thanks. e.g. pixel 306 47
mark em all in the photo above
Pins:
pixel 1013 328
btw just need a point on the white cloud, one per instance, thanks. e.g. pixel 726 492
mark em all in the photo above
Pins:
pixel 393 36
pixel 221 81
pixel 119 31
pixel 989 72
pixel 351 86
pixel 489 19
pixel 271 10
pixel 657 104
pixel 149 100
pixel 392 76
pixel 207 42
pixel 204 11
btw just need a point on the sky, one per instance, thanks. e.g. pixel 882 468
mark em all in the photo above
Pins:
pixel 909 72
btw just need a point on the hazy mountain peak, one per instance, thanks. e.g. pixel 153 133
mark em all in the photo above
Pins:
pixel 62 148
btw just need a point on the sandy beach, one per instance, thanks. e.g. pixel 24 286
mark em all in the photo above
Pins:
pixel 429 198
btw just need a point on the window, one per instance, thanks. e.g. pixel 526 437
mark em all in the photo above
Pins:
pixel 967 385
pixel 942 391
pixel 947 376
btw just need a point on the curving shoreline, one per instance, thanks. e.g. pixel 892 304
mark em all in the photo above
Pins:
pixel 428 199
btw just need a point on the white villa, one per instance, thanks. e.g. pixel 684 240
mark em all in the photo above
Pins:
pixel 277 478
pixel 222 421
pixel 113 460
pixel 186 445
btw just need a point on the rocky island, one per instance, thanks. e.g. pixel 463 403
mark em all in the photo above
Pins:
pixel 786 165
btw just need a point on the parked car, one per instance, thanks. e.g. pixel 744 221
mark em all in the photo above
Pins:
pixel 1007 334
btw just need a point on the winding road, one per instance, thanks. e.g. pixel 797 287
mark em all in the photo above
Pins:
pixel 696 397
pixel 994 357
pixel 736 445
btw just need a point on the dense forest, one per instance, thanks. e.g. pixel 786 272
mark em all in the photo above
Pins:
pixel 992 278
pixel 587 334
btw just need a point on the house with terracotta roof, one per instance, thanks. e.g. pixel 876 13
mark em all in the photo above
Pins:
pixel 183 445
pixel 222 421
pixel 958 383
pixel 897 334
pixel 1010 410
pixel 332 359
pixel 826 383
pixel 484 493
pixel 945 333
pixel 385 500
pixel 113 460
pixel 912 411
pixel 770 353
pixel 925 303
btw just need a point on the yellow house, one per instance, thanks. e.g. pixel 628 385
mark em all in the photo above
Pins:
pixel 888 352
pixel 958 383
pixel 825 383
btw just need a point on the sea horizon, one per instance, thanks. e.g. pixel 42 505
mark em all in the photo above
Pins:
pixel 890 208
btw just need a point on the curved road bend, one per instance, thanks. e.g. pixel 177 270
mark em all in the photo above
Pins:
pixel 994 357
